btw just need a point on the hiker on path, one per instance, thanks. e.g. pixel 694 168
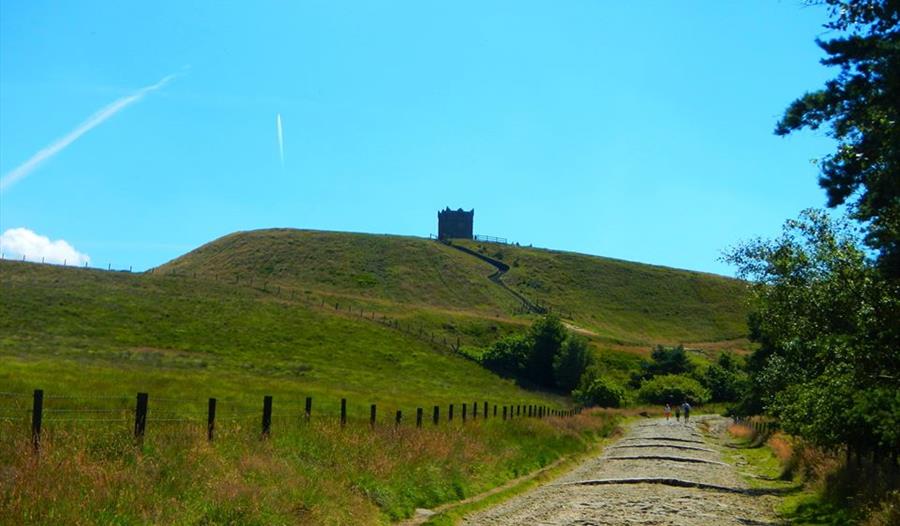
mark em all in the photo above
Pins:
pixel 668 412
pixel 687 411
pixel 678 413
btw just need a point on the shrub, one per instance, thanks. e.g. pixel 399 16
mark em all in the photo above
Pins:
pixel 508 356
pixel 672 388
pixel 600 391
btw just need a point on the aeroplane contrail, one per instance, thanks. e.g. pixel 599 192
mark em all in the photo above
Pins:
pixel 25 169
pixel 280 132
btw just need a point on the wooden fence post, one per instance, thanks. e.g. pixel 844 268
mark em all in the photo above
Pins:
pixel 372 413
pixel 37 413
pixel 504 413
pixel 495 410
pixel 308 411
pixel 485 410
pixel 464 406
pixel 474 410
pixel 211 419
pixel 450 413
pixel 418 417
pixel 343 412
pixel 267 416
pixel 399 417
pixel 436 417
pixel 518 410
pixel 140 416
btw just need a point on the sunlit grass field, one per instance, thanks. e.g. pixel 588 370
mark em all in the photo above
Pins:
pixel 294 314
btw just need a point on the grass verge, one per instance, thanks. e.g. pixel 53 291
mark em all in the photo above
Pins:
pixel 303 474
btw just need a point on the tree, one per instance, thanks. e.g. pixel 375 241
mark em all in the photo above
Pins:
pixel 670 360
pixel 862 107
pixel 547 335
pixel 570 364
pixel 724 384
pixel 663 360
pixel 828 325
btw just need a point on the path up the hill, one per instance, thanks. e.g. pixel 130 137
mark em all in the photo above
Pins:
pixel 660 473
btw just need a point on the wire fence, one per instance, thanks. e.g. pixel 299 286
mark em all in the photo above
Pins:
pixel 144 413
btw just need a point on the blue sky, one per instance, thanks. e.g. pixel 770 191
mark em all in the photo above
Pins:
pixel 635 130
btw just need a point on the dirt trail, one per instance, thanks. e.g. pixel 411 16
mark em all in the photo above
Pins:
pixel 659 473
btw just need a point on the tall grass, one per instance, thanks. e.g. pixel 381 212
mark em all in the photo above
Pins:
pixel 831 491
pixel 318 473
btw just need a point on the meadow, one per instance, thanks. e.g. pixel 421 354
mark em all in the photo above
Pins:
pixel 289 314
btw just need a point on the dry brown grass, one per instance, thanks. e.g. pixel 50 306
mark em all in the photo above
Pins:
pixel 306 474
pixel 741 431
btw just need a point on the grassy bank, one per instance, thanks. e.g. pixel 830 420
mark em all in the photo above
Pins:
pixel 819 487
pixel 304 474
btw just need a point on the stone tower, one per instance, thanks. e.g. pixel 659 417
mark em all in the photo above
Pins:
pixel 455 224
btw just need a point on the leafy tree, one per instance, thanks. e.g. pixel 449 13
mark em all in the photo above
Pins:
pixel 570 364
pixel 663 360
pixel 599 391
pixel 672 389
pixel 670 360
pixel 862 107
pixel 508 356
pixel 547 335
pixel 828 325
pixel 724 384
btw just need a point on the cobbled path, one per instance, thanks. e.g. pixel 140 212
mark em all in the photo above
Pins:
pixel 639 480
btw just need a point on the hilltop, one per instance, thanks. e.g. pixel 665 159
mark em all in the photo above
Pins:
pixel 615 301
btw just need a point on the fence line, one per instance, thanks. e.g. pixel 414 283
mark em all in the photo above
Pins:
pixel 143 418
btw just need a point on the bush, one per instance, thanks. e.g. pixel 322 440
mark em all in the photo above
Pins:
pixel 600 391
pixel 508 356
pixel 672 389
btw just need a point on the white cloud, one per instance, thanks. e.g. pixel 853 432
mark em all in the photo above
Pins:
pixel 24 169
pixel 18 242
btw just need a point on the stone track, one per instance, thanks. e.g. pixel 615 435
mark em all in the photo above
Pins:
pixel 660 473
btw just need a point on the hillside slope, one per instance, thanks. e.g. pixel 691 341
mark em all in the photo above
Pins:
pixel 617 301
pixel 75 330
pixel 624 300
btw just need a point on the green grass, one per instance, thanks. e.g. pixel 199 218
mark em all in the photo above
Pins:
pixel 620 302
pixel 402 270
pixel 74 331
pixel 304 474
pixel 626 301
pixel 253 314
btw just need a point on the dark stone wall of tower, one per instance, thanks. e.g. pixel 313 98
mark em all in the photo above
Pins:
pixel 455 224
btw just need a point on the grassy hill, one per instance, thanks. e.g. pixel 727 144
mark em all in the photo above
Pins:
pixel 92 339
pixel 623 300
pixel 619 302
pixel 401 270
pixel 204 338
pixel 292 314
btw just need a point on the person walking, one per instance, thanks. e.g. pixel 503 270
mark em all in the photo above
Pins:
pixel 687 411
pixel 678 413
pixel 668 412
